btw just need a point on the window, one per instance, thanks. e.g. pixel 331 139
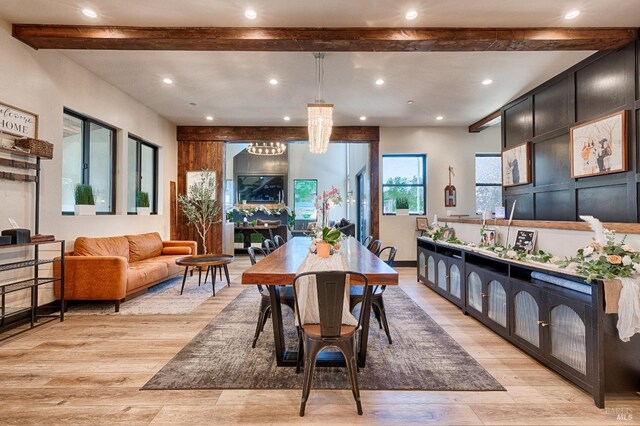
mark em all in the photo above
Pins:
pixel 488 182
pixel 143 173
pixel 404 175
pixel 89 149
pixel 304 198
pixel 228 194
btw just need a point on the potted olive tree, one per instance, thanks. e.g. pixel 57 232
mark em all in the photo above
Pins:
pixel 402 206
pixel 85 203
pixel 200 207
pixel 142 204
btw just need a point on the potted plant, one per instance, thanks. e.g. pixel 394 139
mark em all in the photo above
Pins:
pixel 256 239
pixel 402 206
pixel 142 202
pixel 292 221
pixel 238 241
pixel 230 216
pixel 200 206
pixel 326 240
pixel 85 203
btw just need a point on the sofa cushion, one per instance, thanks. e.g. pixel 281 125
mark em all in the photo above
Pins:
pixel 144 246
pixel 140 275
pixel 105 246
pixel 169 251
pixel 169 261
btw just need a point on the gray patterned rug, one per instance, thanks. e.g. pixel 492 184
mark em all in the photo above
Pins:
pixel 422 357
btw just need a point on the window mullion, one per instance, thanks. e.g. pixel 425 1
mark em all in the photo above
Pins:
pixel 86 155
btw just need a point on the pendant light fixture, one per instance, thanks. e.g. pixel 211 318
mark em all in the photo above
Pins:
pixel 320 120
pixel 267 148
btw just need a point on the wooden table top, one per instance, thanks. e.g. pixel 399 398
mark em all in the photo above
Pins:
pixel 281 265
pixel 205 260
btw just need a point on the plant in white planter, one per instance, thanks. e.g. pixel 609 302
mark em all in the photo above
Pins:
pixel 402 206
pixel 142 202
pixel 85 203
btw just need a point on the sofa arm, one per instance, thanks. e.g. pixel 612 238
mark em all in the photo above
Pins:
pixel 175 243
pixel 93 277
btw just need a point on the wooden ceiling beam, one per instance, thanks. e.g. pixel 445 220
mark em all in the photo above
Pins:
pixel 273 133
pixel 321 39
pixel 486 122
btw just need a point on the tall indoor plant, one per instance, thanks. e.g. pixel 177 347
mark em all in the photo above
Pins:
pixel 199 205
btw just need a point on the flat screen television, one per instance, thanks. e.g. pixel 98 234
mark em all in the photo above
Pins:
pixel 260 189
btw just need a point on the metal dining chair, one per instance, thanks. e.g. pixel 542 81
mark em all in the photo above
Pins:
pixel 375 247
pixel 330 331
pixel 356 293
pixel 286 296
pixel 367 241
pixel 278 240
pixel 269 246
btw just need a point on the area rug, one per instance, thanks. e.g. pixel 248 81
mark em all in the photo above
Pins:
pixel 422 357
pixel 161 299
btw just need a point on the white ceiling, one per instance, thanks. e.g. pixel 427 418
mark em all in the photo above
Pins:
pixel 234 88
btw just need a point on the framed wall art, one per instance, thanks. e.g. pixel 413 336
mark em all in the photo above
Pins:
pixel 516 168
pixel 599 146
pixel 18 122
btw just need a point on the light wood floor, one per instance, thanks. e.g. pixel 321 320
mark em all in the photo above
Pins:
pixel 88 370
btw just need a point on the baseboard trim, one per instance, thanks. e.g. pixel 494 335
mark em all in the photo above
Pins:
pixel 405 263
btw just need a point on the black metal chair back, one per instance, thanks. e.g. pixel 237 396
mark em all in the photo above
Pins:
pixel 367 241
pixel 252 258
pixel 375 247
pixel 278 240
pixel 391 257
pixel 330 286
pixel 269 246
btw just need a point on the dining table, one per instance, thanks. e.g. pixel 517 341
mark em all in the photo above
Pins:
pixel 282 265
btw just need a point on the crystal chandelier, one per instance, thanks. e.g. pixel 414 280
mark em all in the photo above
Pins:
pixel 320 114
pixel 267 148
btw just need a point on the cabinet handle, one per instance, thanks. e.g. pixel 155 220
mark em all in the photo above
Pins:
pixel 483 294
pixel 543 323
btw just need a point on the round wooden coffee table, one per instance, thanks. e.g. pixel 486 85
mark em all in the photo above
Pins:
pixel 209 261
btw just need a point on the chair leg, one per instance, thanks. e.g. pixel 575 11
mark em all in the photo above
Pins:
pixel 300 351
pixel 348 349
pixel 311 353
pixel 376 312
pixel 383 315
pixel 258 327
pixel 267 315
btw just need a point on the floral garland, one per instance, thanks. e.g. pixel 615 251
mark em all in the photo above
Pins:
pixel 250 211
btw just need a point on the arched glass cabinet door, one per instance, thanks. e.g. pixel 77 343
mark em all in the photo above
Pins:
pixel 454 280
pixel 431 270
pixel 526 314
pixel 474 291
pixel 568 334
pixel 442 275
pixel 422 265
pixel 497 306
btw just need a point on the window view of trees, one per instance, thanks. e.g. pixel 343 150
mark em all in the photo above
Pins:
pixel 488 182
pixel 404 176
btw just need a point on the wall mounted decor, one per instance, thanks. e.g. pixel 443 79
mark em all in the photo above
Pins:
pixel 450 192
pixel 599 146
pixel 18 122
pixel 516 168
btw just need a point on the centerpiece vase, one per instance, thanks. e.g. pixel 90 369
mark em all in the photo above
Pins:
pixel 323 250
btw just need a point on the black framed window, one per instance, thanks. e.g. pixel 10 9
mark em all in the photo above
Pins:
pixel 488 182
pixel 404 176
pixel 88 157
pixel 142 173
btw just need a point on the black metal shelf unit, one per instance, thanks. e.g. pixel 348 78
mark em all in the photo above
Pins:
pixel 16 315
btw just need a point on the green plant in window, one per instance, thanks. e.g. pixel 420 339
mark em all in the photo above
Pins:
pixel 200 206
pixel 84 195
pixel 402 202
pixel 142 199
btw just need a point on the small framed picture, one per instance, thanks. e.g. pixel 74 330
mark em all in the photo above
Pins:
pixel 599 146
pixel 489 237
pixel 422 223
pixel 515 165
pixel 525 240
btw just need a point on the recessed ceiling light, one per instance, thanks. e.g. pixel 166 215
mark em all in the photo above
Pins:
pixel 571 15
pixel 273 81
pixel 209 118
pixel 379 82
pixel 411 15
pixel 167 80
pixel 410 102
pixel 487 82
pixel 439 118
pixel 287 118
pixel 89 13
pixel 250 13
pixel 363 118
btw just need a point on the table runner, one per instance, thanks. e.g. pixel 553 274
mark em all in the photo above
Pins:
pixel 308 294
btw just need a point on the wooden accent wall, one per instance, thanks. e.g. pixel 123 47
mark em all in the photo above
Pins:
pixel 602 84
pixel 195 156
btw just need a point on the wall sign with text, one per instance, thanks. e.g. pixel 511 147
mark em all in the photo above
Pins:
pixel 18 122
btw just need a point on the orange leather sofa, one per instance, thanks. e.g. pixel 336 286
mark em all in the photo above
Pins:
pixel 112 268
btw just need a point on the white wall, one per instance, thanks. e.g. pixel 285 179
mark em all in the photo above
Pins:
pixel 444 146
pixel 358 155
pixel 329 169
pixel 44 82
